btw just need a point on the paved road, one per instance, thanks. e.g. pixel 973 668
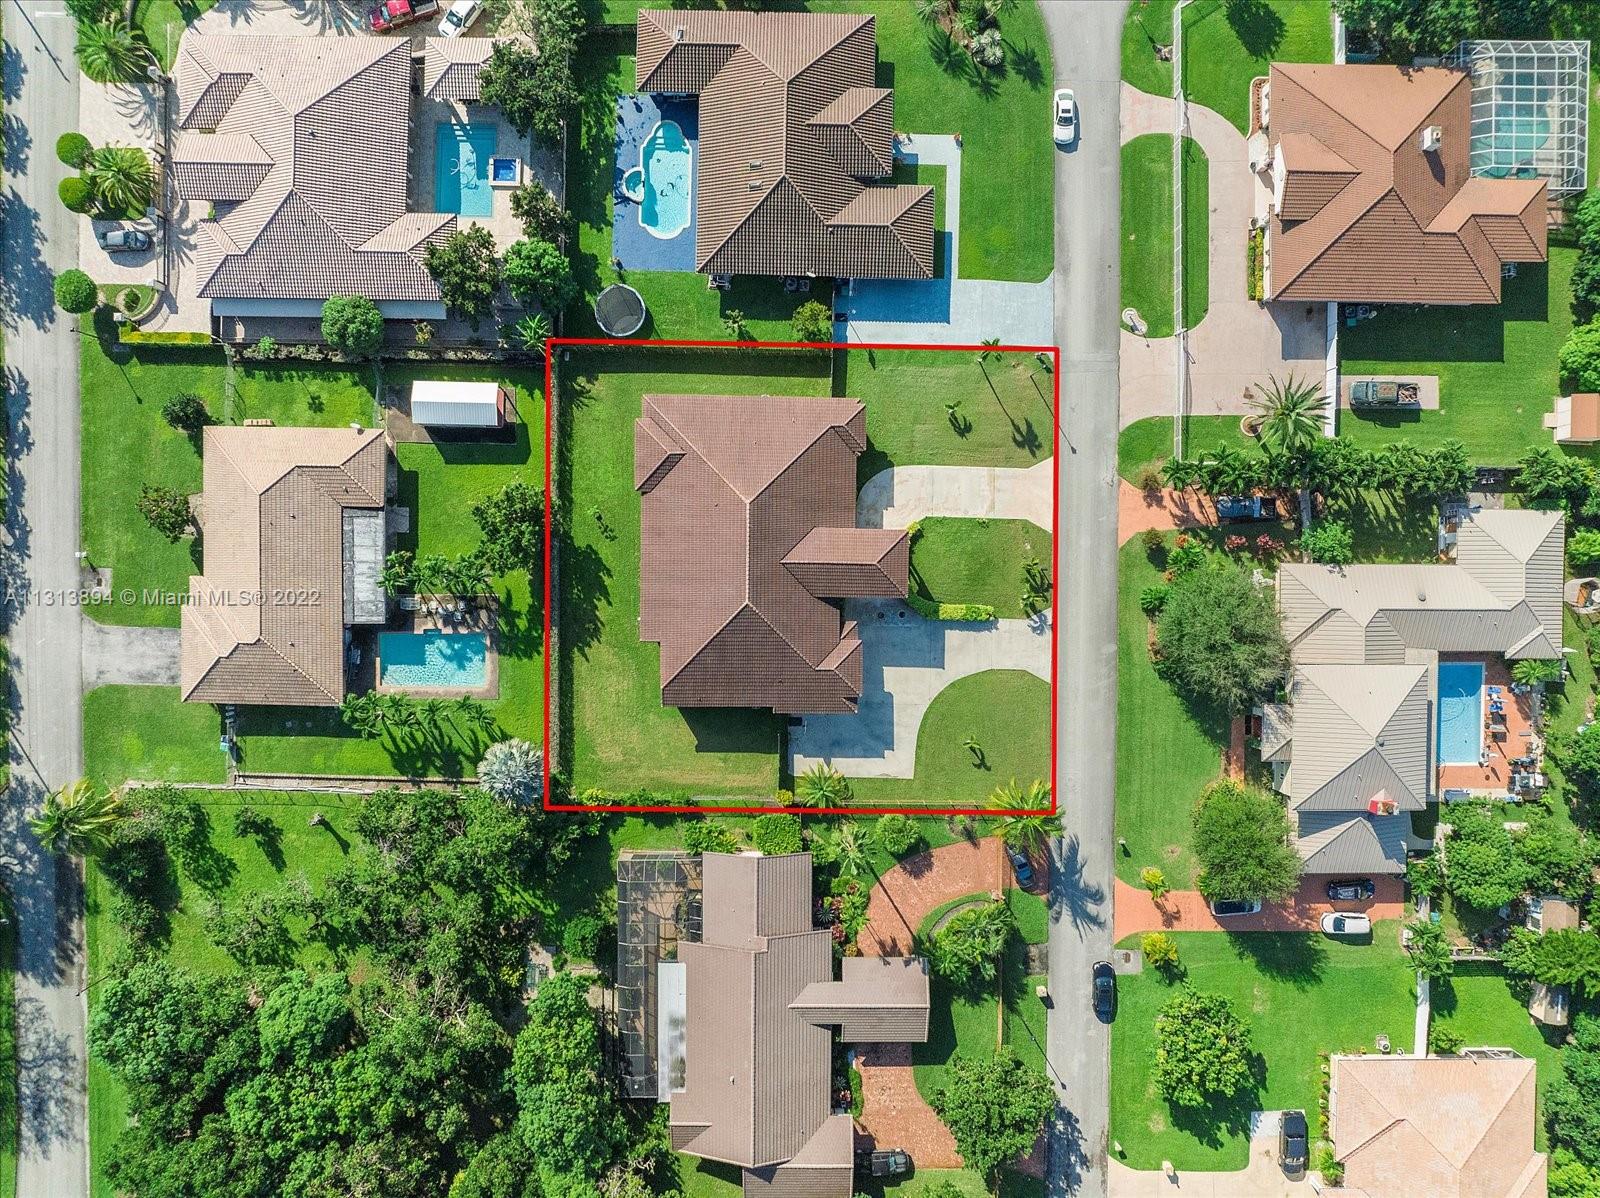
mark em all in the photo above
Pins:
pixel 40 237
pixel 1085 39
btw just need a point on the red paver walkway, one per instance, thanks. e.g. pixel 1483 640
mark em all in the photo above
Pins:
pixel 893 1112
pixel 1164 509
pixel 1188 911
pixel 1233 755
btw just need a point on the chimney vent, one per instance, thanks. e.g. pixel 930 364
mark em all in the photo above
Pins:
pixel 1432 136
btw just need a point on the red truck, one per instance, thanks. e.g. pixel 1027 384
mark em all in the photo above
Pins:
pixel 391 14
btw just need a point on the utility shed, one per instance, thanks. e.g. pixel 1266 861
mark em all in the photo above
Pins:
pixel 440 404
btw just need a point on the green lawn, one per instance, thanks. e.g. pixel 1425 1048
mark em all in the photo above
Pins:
pixel 708 1179
pixel 1147 231
pixel 1299 993
pixel 127 445
pixel 956 560
pixel 1148 442
pixel 967 1021
pixel 147 733
pixel 163 23
pixel 1148 24
pixel 1006 711
pixel 1225 45
pixel 1496 365
pixel 1166 750
pixel 8 1049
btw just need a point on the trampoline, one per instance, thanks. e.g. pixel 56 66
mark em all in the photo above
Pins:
pixel 619 310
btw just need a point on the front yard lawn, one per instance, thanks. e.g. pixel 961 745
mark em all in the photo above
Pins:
pixel 1147 444
pixel 1299 993
pixel 1496 364
pixel 1147 231
pixel 163 21
pixel 956 560
pixel 1225 45
pixel 1148 25
pixel 1005 712
pixel 147 733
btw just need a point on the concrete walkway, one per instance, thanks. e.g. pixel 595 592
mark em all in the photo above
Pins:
pixel 907 661
pixel 115 654
pixel 900 495
pixel 1240 342
pixel 1263 1177
pixel 949 310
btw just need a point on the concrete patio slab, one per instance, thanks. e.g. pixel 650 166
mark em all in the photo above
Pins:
pixel 896 497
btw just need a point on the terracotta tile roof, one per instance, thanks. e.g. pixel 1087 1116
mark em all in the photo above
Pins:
pixel 265 623
pixel 748 530
pixel 1585 417
pixel 301 145
pixel 1365 213
pixel 792 127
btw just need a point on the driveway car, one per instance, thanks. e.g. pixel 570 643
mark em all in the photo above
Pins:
pixel 391 14
pixel 1222 908
pixel 1246 507
pixel 460 17
pixel 1337 923
pixel 1351 890
pixel 1292 1137
pixel 1066 117
pixel 119 241
pixel 890 1163
pixel 1022 866
pixel 1105 991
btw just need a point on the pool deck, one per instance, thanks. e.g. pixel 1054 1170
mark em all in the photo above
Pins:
pixel 637 117
pixel 1494 776
pixel 480 616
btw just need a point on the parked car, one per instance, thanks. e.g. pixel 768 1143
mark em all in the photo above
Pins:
pixel 1222 908
pixel 1292 1137
pixel 391 14
pixel 890 1163
pixel 1066 117
pixel 1247 507
pixel 460 17
pixel 1022 866
pixel 117 241
pixel 1351 890
pixel 1105 991
pixel 1338 923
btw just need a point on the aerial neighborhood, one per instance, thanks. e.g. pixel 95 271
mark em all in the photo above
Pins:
pixel 825 599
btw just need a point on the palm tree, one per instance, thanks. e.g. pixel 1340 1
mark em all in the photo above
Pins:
pixel 468 576
pixel 1180 473
pixel 821 786
pixel 78 819
pixel 1022 824
pixel 475 713
pixel 398 573
pixel 848 849
pixel 432 712
pixel 989 351
pixel 108 52
pixel 1291 415
pixel 532 332
pixel 931 11
pixel 120 177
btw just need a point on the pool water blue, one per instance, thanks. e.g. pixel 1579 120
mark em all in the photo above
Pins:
pixel 461 168
pixel 666 163
pixel 457 659
pixel 1460 712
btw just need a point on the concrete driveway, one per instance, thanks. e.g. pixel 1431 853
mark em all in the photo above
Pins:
pixel 900 495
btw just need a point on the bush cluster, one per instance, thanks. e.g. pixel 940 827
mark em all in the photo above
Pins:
pixel 967 613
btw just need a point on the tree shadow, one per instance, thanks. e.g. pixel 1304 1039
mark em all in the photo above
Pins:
pixel 1256 24
pixel 585 585
pixel 1221 1118
pixel 1293 957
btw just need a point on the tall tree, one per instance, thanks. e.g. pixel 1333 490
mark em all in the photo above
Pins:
pixel 78 819
pixel 994 1108
pixel 1019 816
pixel 1202 1049
pixel 1220 638
pixel 108 51
pixel 466 269
pixel 1241 839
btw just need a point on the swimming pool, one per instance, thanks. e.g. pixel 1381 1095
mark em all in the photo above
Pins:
pixel 1460 712
pixel 664 181
pixel 432 658
pixel 461 168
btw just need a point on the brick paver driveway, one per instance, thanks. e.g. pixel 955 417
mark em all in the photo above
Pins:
pixel 1187 910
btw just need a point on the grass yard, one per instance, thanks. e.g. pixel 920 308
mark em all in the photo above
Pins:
pixel 1299 993
pixel 147 733
pixel 1147 232
pixel 1227 44
pixel 708 1179
pixel 163 22
pixel 8 1049
pixel 1007 712
pixel 956 560
pixel 1147 444
pixel 303 393
pixel 1148 25
pixel 1496 365
pixel 1166 750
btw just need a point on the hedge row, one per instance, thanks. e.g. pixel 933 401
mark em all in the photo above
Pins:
pixel 136 337
pixel 965 613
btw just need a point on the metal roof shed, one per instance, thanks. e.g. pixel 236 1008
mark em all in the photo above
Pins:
pixel 456 404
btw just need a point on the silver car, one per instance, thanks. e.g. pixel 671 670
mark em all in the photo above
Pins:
pixel 118 241
pixel 1066 117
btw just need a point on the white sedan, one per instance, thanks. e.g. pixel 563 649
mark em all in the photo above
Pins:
pixel 1066 117
pixel 1339 923
pixel 460 17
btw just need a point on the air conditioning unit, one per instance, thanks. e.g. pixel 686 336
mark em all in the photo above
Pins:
pixel 1432 138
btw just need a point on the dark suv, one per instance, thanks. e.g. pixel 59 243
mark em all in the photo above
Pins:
pixel 1292 1142
pixel 890 1163
pixel 1351 890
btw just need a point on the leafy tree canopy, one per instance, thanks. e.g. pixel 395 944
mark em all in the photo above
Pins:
pixel 1203 1050
pixel 1219 637
pixel 994 1108
pixel 466 269
pixel 352 324
pixel 1241 838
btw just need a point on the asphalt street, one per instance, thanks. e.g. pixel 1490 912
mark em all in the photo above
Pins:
pixel 1085 40
pixel 38 573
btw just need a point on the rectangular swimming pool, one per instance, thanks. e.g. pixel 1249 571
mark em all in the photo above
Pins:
pixel 461 168
pixel 433 659
pixel 1460 712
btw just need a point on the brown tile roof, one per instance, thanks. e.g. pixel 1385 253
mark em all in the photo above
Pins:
pixel 271 513
pixel 759 1001
pixel 1365 213
pixel 301 144
pixel 791 125
pixel 1436 1127
pixel 747 531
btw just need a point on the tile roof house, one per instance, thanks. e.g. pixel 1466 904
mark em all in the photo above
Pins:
pixel 1373 199
pixel 748 533
pixel 1436 1127
pixel 293 528
pixel 795 138
pixel 299 146
pixel 1353 748
pixel 753 1062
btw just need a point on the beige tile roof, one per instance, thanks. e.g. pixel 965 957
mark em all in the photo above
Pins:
pixel 1437 1127
pixel 265 622
pixel 792 132
pixel 450 66
pixel 1366 214
pixel 301 145
pixel 1360 730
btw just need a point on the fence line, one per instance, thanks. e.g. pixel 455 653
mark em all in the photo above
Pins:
pixel 1180 129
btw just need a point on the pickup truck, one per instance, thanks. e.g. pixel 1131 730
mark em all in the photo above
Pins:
pixel 891 1163
pixel 391 14
pixel 1371 393
pixel 1246 507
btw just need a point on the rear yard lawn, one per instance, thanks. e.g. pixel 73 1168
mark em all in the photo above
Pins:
pixel 1496 365
pixel 1299 994
pixel 956 560
pixel 1227 44
pixel 1147 232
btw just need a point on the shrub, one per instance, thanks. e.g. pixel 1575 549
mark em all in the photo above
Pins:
pixel 186 412
pixel 821 786
pixel 1153 598
pixel 961 613
pixel 897 835
pixel 537 271
pixel 75 193
pixel 1241 839
pixel 703 836
pixel 1149 481
pixel 250 824
pixel 813 322
pixel 1580 357
pixel 1220 638
pixel 73 149
pixel 76 292
pixel 513 770
pixel 1160 950
pixel 1185 558
pixel 1153 880
pixel 1153 540
pixel 583 937
pixel 352 324
pixel 968 948
pixel 541 214
pixel 167 511
pixel 1443 1041
pixel 1583 546
pixel 1330 542
pixel 776 834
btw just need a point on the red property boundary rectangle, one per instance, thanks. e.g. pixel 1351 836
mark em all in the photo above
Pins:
pixel 556 344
